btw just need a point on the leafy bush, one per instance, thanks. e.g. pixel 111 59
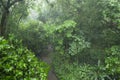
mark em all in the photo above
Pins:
pixel 81 72
pixel 33 35
pixel 18 63
pixel 112 62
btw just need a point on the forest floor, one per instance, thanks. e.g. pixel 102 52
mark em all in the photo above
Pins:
pixel 48 59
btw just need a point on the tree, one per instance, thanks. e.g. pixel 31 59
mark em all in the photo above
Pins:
pixel 5 6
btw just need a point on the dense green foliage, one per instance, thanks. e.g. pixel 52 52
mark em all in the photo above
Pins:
pixel 17 62
pixel 83 35
pixel 32 37
pixel 94 41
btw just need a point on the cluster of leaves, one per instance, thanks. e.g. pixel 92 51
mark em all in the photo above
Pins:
pixel 63 35
pixel 67 41
pixel 78 45
pixel 112 62
pixel 17 62
pixel 111 22
pixel 75 71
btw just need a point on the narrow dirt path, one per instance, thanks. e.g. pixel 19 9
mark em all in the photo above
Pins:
pixel 48 59
pixel 51 75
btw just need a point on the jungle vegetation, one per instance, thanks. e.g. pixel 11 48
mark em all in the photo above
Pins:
pixel 84 36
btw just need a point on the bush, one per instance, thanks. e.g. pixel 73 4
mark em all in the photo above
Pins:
pixel 18 63
pixel 81 72
pixel 112 62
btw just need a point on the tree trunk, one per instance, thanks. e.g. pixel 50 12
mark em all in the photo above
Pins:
pixel 3 22
pixel 5 13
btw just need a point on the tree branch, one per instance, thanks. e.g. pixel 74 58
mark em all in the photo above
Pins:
pixel 2 3
pixel 8 3
pixel 13 2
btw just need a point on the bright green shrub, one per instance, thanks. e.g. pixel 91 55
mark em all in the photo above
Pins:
pixel 72 72
pixel 18 63
pixel 112 62
pixel 63 36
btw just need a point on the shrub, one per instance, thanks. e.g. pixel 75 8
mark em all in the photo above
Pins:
pixel 18 63
pixel 112 62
